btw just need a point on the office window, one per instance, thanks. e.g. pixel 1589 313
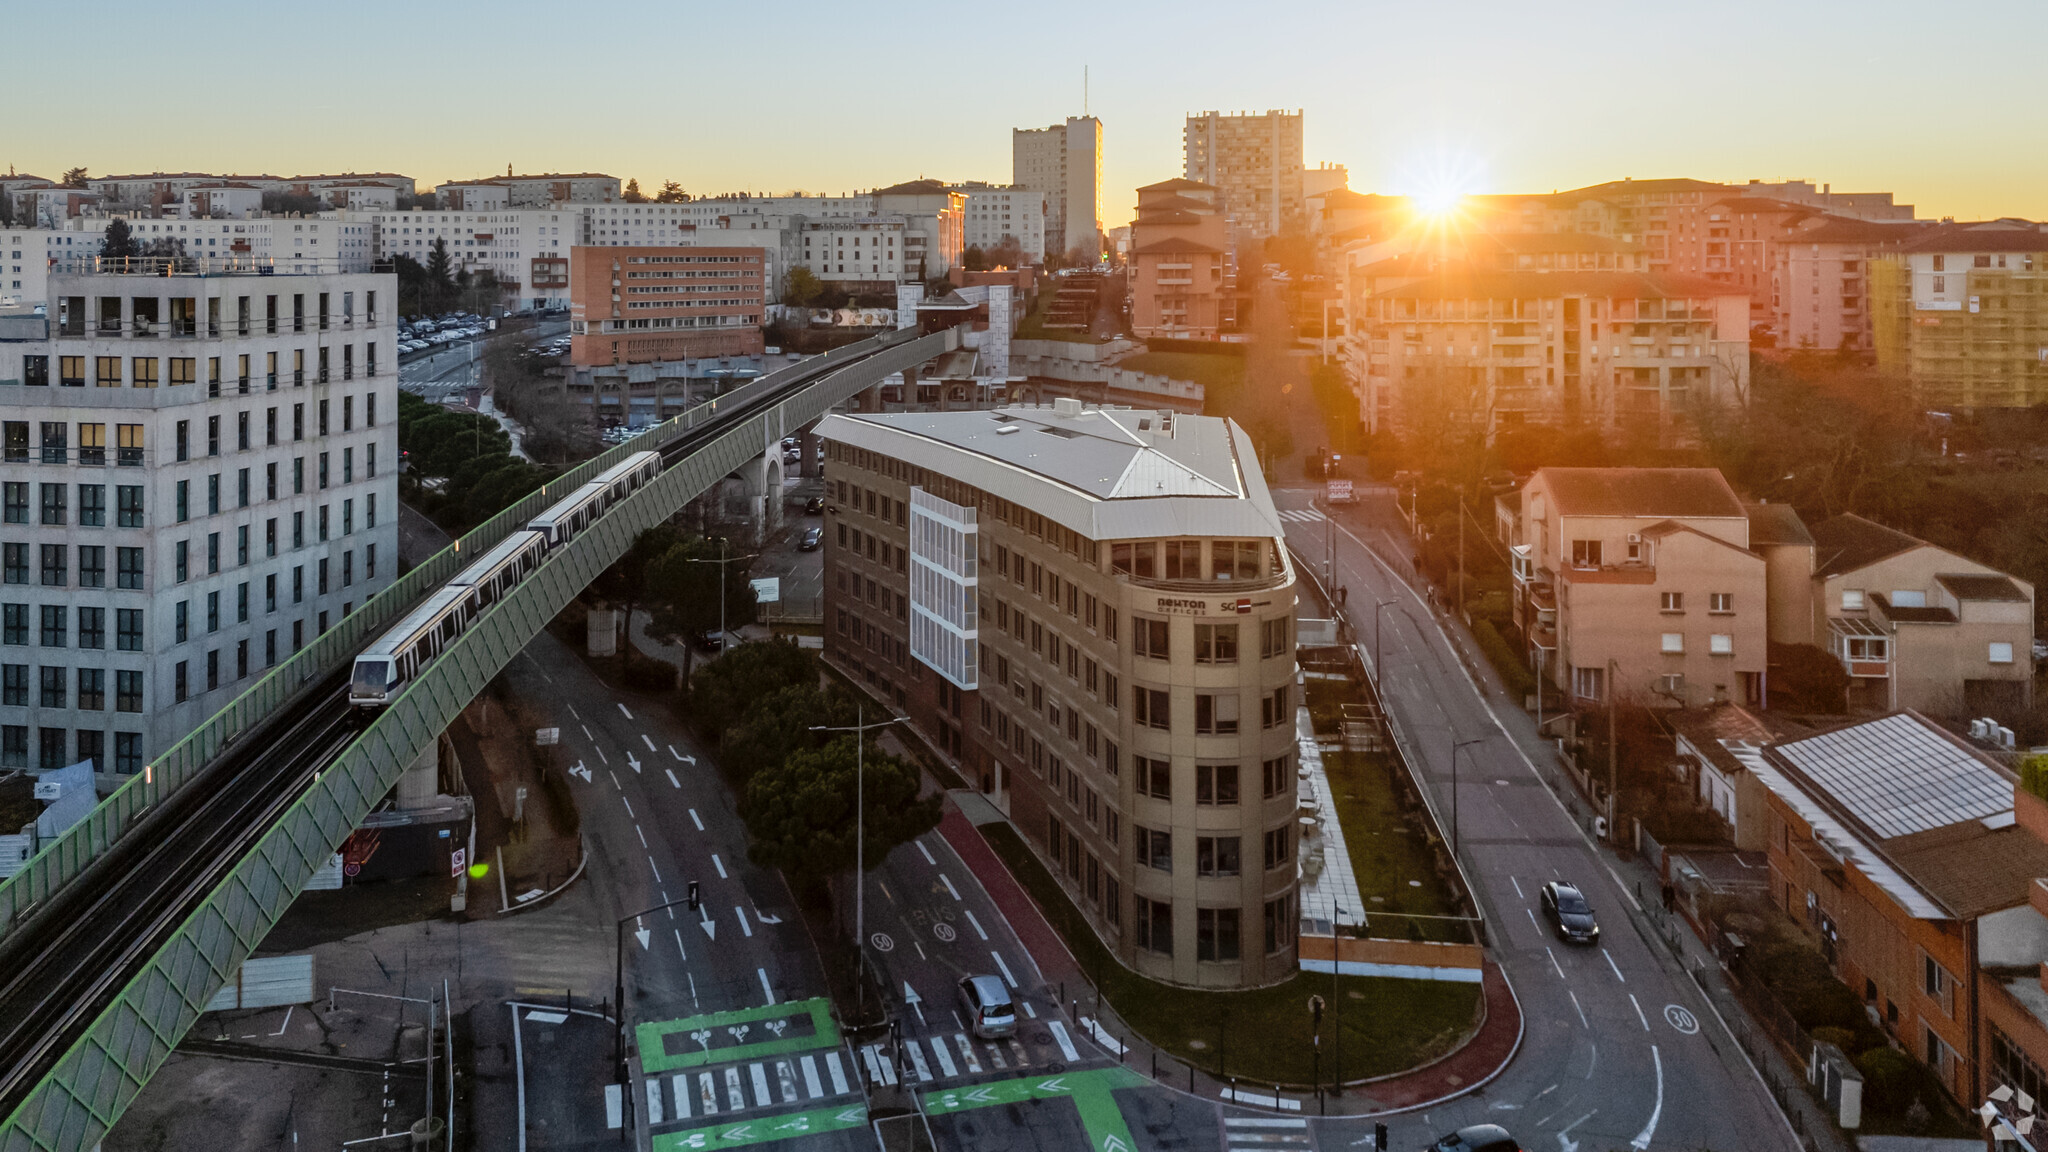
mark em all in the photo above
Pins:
pixel 16 502
pixel 92 690
pixel 128 629
pixel 1275 776
pixel 1216 643
pixel 55 689
pixel 128 506
pixel 213 612
pixel 14 685
pixel 1154 847
pixel 181 622
pixel 52 752
pixel 128 572
pixel 1216 856
pixel 1154 923
pixel 1154 777
pixel 14 745
pixel 92 505
pixel 1273 709
pixel 1216 715
pixel 13 623
pixel 14 561
pixel 54 565
pixel 1216 784
pixel 1216 933
pixel 127 691
pixel 92 627
pixel 181 681
pixel 182 500
pixel 55 503
pixel 1280 924
pixel 1276 637
pixel 1149 638
pixel 1279 847
pixel 128 751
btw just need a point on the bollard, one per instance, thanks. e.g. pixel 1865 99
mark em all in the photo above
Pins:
pixel 1155 1063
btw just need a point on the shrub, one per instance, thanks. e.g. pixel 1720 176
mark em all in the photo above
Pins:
pixel 1891 1081
pixel 645 674
pixel 1519 680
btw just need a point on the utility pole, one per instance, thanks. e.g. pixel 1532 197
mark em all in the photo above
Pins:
pixel 860 832
pixel 724 641
pixel 1613 752
pixel 1457 611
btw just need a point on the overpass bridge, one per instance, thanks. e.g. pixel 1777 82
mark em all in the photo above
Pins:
pixel 115 936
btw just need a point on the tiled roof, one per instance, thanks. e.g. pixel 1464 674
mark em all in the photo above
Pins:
pixel 1622 187
pixel 1177 185
pixel 1988 236
pixel 1972 870
pixel 1848 542
pixel 1643 492
pixel 1555 242
pixel 1171 244
pixel 1842 230
pixel 1911 615
pixel 1977 586
pixel 1775 524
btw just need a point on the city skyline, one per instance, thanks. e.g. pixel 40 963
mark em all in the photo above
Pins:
pixel 1537 110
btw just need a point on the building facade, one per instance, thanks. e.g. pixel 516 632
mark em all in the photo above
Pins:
pixel 531 191
pixel 1821 281
pixel 199 476
pixel 1180 267
pixel 1089 612
pixel 1256 160
pixel 1961 315
pixel 998 215
pixel 526 249
pixel 646 304
pixel 1064 161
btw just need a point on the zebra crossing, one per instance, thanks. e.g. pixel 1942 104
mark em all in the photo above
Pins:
pixel 1264 1133
pixel 944 1057
pixel 735 1088
pixel 1302 515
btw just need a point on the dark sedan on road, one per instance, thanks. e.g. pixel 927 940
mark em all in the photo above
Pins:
pixel 815 506
pixel 1569 913
pixel 813 536
pixel 1477 1138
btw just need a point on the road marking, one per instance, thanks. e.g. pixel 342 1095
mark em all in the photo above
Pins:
pixel 923 1070
pixel 614 1106
pixel 975 923
pixel 742 914
pixel 1613 965
pixel 718 864
pixel 573 711
pixel 1263 1122
pixel 879 1071
pixel 920 949
pixel 672 777
pixel 949 885
pixel 695 820
pixel 679 943
pixel 1553 961
pixel 809 1064
pixel 707 1094
pixel 587 735
pixel 837 1073
pixel 944 1057
pixel 1532 919
pixel 657 871
pixel 601 755
pixel 1642 1139
pixel 766 989
pixel 928 858
pixel 1059 1036
pixel 1518 888
pixel 734 1094
pixel 642 835
pixel 1030 1012
pixel 1581 1011
pixel 615 779
pixel 785 1078
pixel 622 708
pixel 650 742
pixel 967 1055
pixel 693 979
pixel 1564 1141
pixel 654 1101
pixel 1678 1017
pixel 679 1087
pixel 1639 1012
pixel 995 1057
pixel 1007 978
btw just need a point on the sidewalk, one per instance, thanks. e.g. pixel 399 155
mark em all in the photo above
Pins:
pixel 1473 1064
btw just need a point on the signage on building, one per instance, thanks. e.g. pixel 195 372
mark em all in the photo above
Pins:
pixel 457 861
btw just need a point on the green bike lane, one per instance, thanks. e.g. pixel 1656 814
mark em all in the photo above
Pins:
pixel 1092 1093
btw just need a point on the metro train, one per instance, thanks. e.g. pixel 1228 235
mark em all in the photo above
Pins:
pixel 383 670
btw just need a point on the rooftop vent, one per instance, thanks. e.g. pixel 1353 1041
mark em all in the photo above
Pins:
pixel 1007 429
pixel 1066 407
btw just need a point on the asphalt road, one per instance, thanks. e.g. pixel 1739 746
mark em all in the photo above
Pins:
pixel 656 817
pixel 1619 1049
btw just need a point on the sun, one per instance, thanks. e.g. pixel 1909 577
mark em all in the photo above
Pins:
pixel 1439 183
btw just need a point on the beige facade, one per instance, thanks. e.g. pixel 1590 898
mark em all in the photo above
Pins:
pixel 1256 159
pixel 1117 673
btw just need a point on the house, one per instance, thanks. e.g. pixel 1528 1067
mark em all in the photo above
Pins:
pixel 1719 748
pixel 1915 863
pixel 1918 626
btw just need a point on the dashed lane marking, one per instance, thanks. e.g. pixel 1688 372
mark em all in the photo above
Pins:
pixel 672 777
pixel 650 742
pixel 947 881
pixel 718 864
pixel 928 858
pixel 976 924
pixel 694 820
pixel 622 708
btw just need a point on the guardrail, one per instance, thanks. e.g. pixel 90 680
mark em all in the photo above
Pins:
pixel 64 858
pixel 102 1073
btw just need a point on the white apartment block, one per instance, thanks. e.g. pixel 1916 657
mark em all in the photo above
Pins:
pixel 1256 160
pixel 865 249
pixel 1064 161
pixel 27 253
pixel 526 249
pixel 283 243
pixel 996 213
pixel 534 191
pixel 198 474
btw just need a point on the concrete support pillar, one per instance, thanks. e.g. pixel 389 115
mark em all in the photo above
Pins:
pixel 761 493
pixel 422 779
pixel 601 632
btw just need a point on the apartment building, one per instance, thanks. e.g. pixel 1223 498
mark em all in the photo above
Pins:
pixel 26 255
pixel 1560 339
pixel 1876 206
pixel 1915 865
pixel 1821 281
pixel 1064 161
pixel 1256 160
pixel 198 472
pixel 1961 314
pixel 353 189
pixel 531 191
pixel 1088 611
pixel 1639 581
pixel 152 190
pixel 646 304
pixel 526 249
pixel 1180 266
pixel 998 215
pixel 1918 626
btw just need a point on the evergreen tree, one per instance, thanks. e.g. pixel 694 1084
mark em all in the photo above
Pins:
pixel 633 194
pixel 119 242
pixel 73 178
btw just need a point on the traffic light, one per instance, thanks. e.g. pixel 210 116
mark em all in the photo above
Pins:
pixel 1379 1138
pixel 693 896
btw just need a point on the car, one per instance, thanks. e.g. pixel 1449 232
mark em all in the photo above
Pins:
pixel 709 640
pixel 815 506
pixel 1569 913
pixel 989 1009
pixel 813 536
pixel 1477 1138
pixel 789 442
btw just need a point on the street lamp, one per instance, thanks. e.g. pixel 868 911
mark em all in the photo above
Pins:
pixel 724 641
pixel 1376 675
pixel 619 978
pixel 860 831
pixel 1456 746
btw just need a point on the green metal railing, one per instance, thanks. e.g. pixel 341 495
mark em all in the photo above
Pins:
pixel 94 1081
pixel 61 860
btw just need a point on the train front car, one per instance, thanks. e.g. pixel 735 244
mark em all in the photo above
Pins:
pixel 370 685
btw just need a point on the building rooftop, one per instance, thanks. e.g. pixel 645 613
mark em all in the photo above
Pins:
pixel 1554 242
pixel 1642 492
pixel 1847 542
pixel 1976 586
pixel 1776 524
pixel 1842 230
pixel 1178 184
pixel 1630 186
pixel 2006 235
pixel 1173 244
pixel 914 188
pixel 1107 473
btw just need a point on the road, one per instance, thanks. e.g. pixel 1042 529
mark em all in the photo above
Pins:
pixel 1619 1049
pixel 448 370
pixel 656 817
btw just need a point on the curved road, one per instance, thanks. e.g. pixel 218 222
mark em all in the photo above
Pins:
pixel 1619 1048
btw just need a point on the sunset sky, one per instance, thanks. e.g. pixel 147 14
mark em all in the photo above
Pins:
pixel 1941 105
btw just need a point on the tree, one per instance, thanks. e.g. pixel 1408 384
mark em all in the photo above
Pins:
pixel 779 724
pixel 671 193
pixel 1008 254
pixel 73 178
pixel 974 259
pixel 625 582
pixel 440 285
pixel 800 286
pixel 800 814
pixel 119 241
pixel 1806 678
pixel 6 210
pixel 721 691
pixel 633 194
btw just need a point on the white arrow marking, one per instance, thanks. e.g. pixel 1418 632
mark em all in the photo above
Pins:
pixel 910 995
pixel 1057 1084
pixel 644 936
pixel 765 918
pixel 850 1116
pixel 650 741
pixel 678 755
pixel 1642 1139
pixel 632 763
pixel 622 708
pixel 981 1095
pixel 1564 1141
pixel 580 770
pixel 710 925
pixel 1114 1143
pixel 742 1132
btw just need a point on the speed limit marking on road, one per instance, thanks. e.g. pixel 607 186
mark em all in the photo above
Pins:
pixel 1681 1019
pixel 944 932
pixel 881 942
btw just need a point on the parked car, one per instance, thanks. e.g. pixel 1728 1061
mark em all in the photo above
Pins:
pixel 813 537
pixel 1569 913
pixel 990 1013
pixel 815 506
pixel 1477 1138
pixel 711 640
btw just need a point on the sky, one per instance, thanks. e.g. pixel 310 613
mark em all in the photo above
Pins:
pixel 1941 105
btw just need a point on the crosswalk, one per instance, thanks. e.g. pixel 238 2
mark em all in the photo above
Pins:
pixel 737 1088
pixel 929 1058
pixel 1249 1133
pixel 1302 516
